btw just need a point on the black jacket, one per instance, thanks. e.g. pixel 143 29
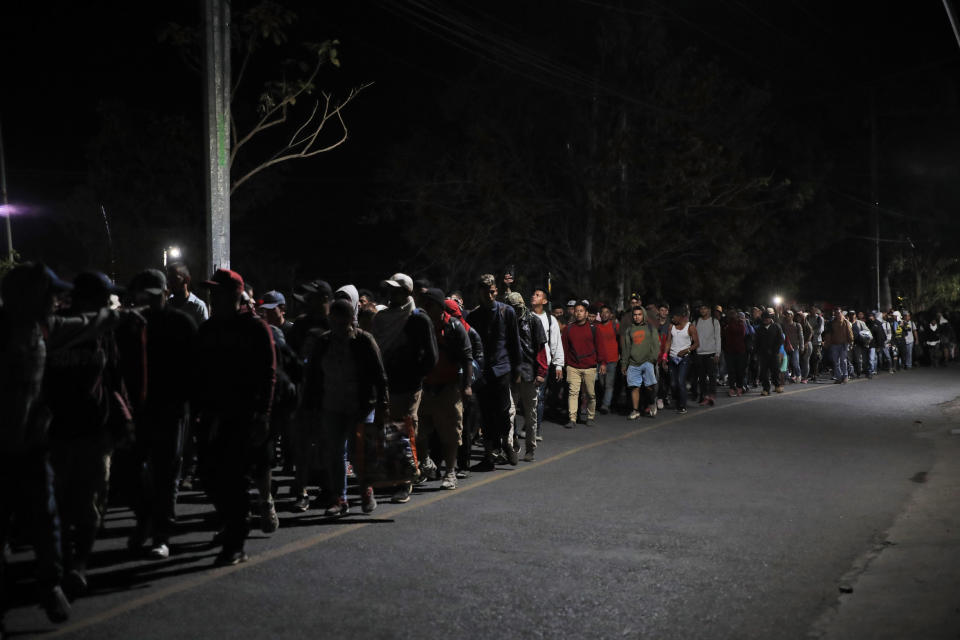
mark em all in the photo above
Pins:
pixel 769 339
pixel 372 377
pixel 532 339
pixel 414 357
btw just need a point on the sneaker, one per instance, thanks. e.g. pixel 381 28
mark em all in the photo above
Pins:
pixel 337 509
pixel 269 522
pixel 56 605
pixel 633 415
pixel 351 474
pixel 428 469
pixel 653 411
pixel 803 381
pixel 487 464
pixel 301 504
pixel 462 474
pixel 402 495
pixel 604 410
pixel 779 389
pixel 570 425
pixel 740 391
pixel 499 457
pixel 449 481
pixel 589 422
pixel 659 403
pixel 732 393
pixel 228 558
pixel 682 410
pixel 421 479
pixel 710 401
pixel 528 456
pixel 512 456
pixel 369 501
pixel 539 438
pixel 703 401
pixel 159 552
pixel 765 392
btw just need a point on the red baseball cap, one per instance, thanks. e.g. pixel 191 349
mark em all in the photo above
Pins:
pixel 225 278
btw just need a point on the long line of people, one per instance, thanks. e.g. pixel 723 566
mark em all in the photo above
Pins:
pixel 133 395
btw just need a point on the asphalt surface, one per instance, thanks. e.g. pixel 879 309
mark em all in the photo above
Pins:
pixel 816 513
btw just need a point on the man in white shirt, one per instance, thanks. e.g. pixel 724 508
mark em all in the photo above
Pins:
pixel 538 306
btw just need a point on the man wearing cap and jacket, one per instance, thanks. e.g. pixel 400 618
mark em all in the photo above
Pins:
pixel 768 343
pixel 235 375
pixel 525 387
pixel 161 421
pixel 445 388
pixel 409 349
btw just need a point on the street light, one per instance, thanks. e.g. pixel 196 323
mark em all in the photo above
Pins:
pixel 777 301
pixel 171 254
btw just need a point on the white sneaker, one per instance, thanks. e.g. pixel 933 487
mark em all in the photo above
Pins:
pixel 653 410
pixel 449 481
pixel 633 415
pixel 659 403
pixel 159 552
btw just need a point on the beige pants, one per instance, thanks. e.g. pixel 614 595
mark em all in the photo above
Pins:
pixel 524 396
pixel 441 410
pixel 576 378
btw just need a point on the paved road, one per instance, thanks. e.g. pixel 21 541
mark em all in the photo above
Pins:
pixel 740 521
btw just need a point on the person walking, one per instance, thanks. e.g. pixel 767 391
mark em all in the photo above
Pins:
pixel 496 323
pixel 683 341
pixel 708 355
pixel 769 346
pixel 639 353
pixel 235 375
pixel 580 349
pixel 162 421
pixel 345 392
pixel 408 345
pixel 445 387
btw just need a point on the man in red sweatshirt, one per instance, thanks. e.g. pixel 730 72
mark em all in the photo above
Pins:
pixel 580 352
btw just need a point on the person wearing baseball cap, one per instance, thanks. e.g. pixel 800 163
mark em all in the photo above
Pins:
pixel 235 373
pixel 28 332
pixel 162 420
pixel 409 348
pixel 316 296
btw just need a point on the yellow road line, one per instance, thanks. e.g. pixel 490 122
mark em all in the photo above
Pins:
pixel 311 541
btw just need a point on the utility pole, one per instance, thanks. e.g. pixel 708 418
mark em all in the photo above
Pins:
pixel 6 205
pixel 875 185
pixel 217 77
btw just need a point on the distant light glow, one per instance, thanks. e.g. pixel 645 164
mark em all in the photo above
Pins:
pixel 12 209
pixel 174 253
pixel 777 301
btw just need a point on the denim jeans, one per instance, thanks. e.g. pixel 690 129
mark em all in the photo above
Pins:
pixel 608 382
pixel 805 361
pixel 678 379
pixel 841 363
pixel 873 361
pixel 793 363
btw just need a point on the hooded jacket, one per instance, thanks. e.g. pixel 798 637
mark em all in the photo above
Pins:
pixel 639 343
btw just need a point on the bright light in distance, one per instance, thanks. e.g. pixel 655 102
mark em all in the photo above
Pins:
pixel 174 253
pixel 10 209
pixel 777 300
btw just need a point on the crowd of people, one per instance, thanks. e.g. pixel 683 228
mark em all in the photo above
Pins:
pixel 130 395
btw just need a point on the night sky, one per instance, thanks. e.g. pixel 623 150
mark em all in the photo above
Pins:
pixel 72 69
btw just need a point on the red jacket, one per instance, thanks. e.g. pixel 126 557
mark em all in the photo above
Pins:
pixel 607 342
pixel 580 346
